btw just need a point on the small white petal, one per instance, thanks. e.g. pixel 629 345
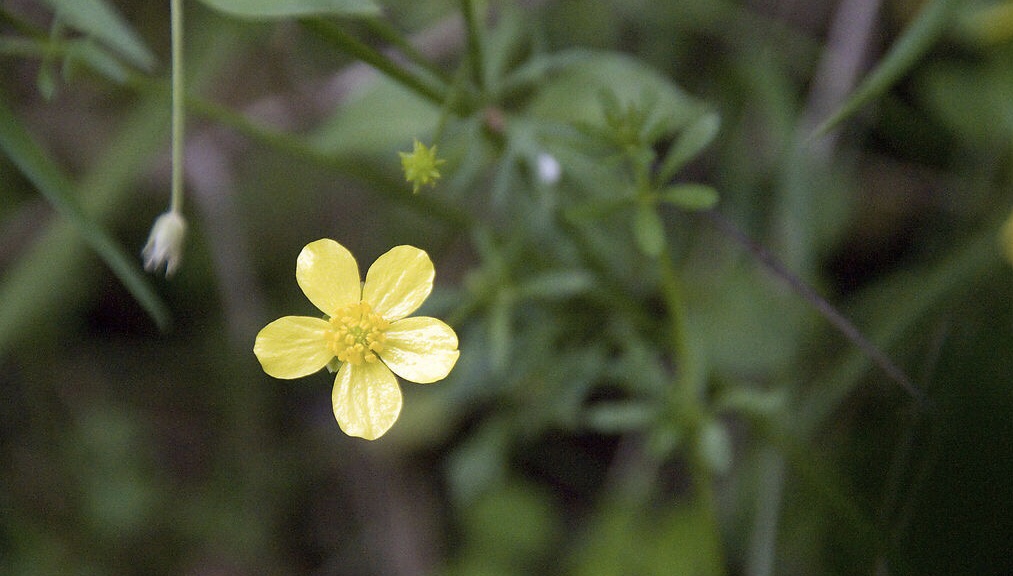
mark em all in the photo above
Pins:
pixel 549 170
pixel 165 243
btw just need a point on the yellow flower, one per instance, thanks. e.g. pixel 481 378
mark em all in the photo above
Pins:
pixel 366 330
pixel 421 166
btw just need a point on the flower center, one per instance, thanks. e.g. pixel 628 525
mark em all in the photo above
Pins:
pixel 357 334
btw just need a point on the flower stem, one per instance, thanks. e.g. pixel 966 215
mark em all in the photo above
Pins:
pixel 178 99
pixel 688 398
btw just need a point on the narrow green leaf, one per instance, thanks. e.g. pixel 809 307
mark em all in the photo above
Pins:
pixel 598 208
pixel 690 196
pixel 56 187
pixel 47 79
pixel 74 52
pixel 261 9
pixel 96 57
pixel 648 230
pixel 46 82
pixel 931 23
pixel 100 20
pixel 692 140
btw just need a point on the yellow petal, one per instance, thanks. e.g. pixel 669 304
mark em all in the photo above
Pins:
pixel 366 399
pixel 328 275
pixel 420 349
pixel 293 346
pixel 398 282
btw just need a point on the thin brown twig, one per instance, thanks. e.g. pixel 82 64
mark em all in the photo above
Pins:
pixel 825 308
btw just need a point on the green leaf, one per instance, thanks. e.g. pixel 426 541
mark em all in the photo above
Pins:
pixel 357 130
pixel 620 416
pixel 556 284
pixel 74 52
pixel 686 540
pixel 480 462
pixel 974 101
pixel 531 532
pixel 598 208
pixel 100 20
pixel 715 446
pixel 693 139
pixel 649 230
pixel 931 23
pixel 625 537
pixel 753 403
pixel 46 80
pixel 56 187
pixel 690 196
pixel 99 59
pixel 574 96
pixel 265 9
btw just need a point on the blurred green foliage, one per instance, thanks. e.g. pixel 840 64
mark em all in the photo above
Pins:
pixel 643 389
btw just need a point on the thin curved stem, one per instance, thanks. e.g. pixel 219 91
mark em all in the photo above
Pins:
pixel 827 310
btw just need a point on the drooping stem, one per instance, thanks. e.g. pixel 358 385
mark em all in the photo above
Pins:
pixel 178 99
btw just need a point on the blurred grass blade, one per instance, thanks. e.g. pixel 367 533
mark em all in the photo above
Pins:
pixel 98 59
pixel 259 9
pixel 930 24
pixel 56 187
pixel 97 18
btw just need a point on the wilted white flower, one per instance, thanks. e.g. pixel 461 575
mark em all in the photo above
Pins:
pixel 549 170
pixel 165 243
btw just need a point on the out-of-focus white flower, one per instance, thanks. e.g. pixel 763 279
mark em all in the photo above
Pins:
pixel 165 243
pixel 548 168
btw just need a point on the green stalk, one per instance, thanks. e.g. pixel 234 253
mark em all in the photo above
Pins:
pixel 686 388
pixel 178 99
pixel 688 399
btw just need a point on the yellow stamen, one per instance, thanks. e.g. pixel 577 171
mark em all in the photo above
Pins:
pixel 357 334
